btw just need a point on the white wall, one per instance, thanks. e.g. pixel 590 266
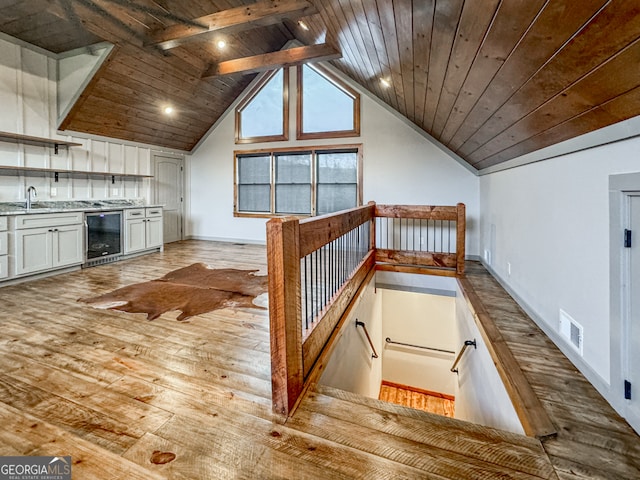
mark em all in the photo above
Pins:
pixel 550 221
pixel 399 165
pixel 29 106
pixel 481 397
pixel 351 367
pixel 75 70
pixel 418 319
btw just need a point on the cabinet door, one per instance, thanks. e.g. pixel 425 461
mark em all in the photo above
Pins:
pixel 134 235
pixel 33 250
pixel 4 266
pixel 154 232
pixel 67 245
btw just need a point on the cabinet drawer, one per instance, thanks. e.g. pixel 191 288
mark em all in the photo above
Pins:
pixel 4 266
pixel 153 212
pixel 4 238
pixel 134 213
pixel 48 220
pixel 3 224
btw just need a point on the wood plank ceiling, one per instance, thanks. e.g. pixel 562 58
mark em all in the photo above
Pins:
pixel 490 79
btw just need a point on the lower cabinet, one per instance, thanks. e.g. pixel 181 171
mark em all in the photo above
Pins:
pixel 142 229
pixel 48 247
pixel 4 249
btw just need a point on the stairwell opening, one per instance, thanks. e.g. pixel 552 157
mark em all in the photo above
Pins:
pixel 417 324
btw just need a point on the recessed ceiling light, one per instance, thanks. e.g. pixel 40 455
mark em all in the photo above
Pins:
pixel 303 25
pixel 221 44
pixel 385 83
pixel 168 110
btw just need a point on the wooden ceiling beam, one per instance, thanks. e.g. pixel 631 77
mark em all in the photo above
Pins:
pixel 272 60
pixel 233 20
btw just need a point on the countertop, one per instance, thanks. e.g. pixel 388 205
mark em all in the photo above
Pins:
pixel 18 208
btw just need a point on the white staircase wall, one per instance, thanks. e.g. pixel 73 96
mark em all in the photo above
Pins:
pixel 419 319
pixel 351 367
pixel 481 397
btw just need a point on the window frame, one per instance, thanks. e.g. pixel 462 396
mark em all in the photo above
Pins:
pixel 257 88
pixel 313 150
pixel 300 134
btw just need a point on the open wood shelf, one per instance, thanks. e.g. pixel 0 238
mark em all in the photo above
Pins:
pixel 11 170
pixel 39 141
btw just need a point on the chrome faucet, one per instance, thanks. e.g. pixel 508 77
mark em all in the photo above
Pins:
pixel 29 191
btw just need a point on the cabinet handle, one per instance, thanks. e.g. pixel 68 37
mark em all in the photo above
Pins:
pixel 135 214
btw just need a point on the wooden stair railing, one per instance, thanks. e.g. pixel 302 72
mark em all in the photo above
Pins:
pixel 335 255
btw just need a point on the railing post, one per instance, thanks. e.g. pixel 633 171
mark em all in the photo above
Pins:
pixel 372 228
pixel 461 227
pixel 283 262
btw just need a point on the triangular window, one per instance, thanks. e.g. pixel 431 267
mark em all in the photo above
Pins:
pixel 263 116
pixel 326 107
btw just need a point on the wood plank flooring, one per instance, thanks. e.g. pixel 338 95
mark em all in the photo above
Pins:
pixel 593 441
pixel 192 400
pixel 413 398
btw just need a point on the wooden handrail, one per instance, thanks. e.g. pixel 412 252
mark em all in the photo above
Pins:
pixel 295 351
pixel 374 354
pixel 318 231
pixel 412 260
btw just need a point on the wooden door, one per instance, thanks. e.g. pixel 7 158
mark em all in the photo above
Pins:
pixel 631 335
pixel 168 191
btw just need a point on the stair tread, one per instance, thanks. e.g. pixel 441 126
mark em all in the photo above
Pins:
pixel 510 450
pixel 423 456
pixel 431 418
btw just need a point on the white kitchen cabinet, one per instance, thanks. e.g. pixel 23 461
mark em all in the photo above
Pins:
pixel 142 229
pixel 154 227
pixel 4 249
pixel 47 242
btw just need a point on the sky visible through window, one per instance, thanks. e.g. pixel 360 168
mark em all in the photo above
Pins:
pixel 326 108
pixel 262 117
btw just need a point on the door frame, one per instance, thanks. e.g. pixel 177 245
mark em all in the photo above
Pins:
pixel 621 188
pixel 154 187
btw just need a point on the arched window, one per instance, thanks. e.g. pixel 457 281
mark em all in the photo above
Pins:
pixel 326 107
pixel 263 116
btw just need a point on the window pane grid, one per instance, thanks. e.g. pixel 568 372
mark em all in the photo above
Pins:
pixel 313 182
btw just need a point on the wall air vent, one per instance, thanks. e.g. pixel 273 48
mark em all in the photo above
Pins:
pixel 571 330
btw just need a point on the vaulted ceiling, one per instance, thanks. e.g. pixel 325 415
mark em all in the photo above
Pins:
pixel 490 79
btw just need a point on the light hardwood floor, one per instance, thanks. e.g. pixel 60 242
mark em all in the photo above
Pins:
pixel 122 395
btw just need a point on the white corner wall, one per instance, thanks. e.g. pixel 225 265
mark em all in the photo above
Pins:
pixel 351 367
pixel 28 103
pixel 400 166
pixel 75 70
pixel 549 221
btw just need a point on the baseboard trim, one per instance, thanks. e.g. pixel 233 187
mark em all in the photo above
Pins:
pixel 225 240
